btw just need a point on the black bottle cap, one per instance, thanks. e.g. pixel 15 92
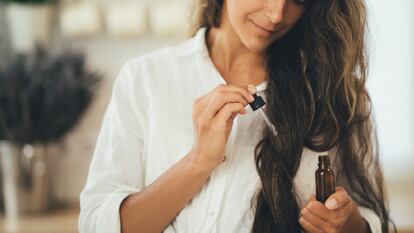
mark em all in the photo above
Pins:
pixel 257 103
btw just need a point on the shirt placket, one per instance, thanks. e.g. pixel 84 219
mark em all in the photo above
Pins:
pixel 212 78
pixel 218 181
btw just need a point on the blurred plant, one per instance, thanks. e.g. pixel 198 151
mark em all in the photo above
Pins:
pixel 42 96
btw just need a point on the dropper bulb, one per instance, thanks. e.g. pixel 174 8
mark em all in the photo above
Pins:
pixel 257 103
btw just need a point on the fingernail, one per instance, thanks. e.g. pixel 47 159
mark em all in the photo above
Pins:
pixel 251 88
pixel 251 98
pixel 330 204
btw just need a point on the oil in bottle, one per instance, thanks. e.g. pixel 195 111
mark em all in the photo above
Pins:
pixel 324 179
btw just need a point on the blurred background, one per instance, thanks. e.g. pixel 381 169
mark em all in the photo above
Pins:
pixel 58 61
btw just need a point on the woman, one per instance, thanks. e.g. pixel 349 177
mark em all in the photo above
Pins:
pixel 181 151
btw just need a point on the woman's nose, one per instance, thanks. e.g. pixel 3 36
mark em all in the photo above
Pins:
pixel 275 10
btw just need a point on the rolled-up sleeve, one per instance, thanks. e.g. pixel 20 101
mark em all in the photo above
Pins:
pixel 116 170
pixel 368 214
pixel 372 219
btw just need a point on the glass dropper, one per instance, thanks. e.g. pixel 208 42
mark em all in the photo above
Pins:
pixel 257 104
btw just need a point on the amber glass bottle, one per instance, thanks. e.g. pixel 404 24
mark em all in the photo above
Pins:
pixel 325 179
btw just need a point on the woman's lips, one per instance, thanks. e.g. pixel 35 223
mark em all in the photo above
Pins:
pixel 261 29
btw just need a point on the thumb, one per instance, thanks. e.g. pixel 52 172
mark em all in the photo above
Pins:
pixel 338 199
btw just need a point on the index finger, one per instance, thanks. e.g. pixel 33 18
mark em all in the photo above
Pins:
pixel 318 209
pixel 246 91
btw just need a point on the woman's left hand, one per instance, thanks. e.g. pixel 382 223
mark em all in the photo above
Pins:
pixel 339 214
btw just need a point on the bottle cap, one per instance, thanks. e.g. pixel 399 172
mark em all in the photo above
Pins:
pixel 257 103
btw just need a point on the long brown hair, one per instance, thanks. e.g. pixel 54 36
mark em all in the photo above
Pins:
pixel 316 98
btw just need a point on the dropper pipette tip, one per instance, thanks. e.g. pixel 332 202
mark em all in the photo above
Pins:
pixel 258 103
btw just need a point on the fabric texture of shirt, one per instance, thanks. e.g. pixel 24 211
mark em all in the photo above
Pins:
pixel 147 128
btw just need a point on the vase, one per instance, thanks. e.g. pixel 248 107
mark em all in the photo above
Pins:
pixel 80 19
pixel 26 179
pixel 29 25
pixel 169 18
pixel 126 19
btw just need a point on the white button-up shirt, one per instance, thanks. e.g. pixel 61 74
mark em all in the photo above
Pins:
pixel 147 128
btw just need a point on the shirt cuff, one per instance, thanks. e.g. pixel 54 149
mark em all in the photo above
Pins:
pixel 372 219
pixel 109 220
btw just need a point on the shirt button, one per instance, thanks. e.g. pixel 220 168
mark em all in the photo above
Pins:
pixel 211 213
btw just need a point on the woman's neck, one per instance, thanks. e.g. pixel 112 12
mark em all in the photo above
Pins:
pixel 236 63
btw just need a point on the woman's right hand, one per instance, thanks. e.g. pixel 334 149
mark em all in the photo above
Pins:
pixel 213 115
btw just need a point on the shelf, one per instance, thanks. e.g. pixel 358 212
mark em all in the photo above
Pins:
pixel 59 221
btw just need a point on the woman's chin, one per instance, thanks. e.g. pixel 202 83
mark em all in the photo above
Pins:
pixel 256 45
